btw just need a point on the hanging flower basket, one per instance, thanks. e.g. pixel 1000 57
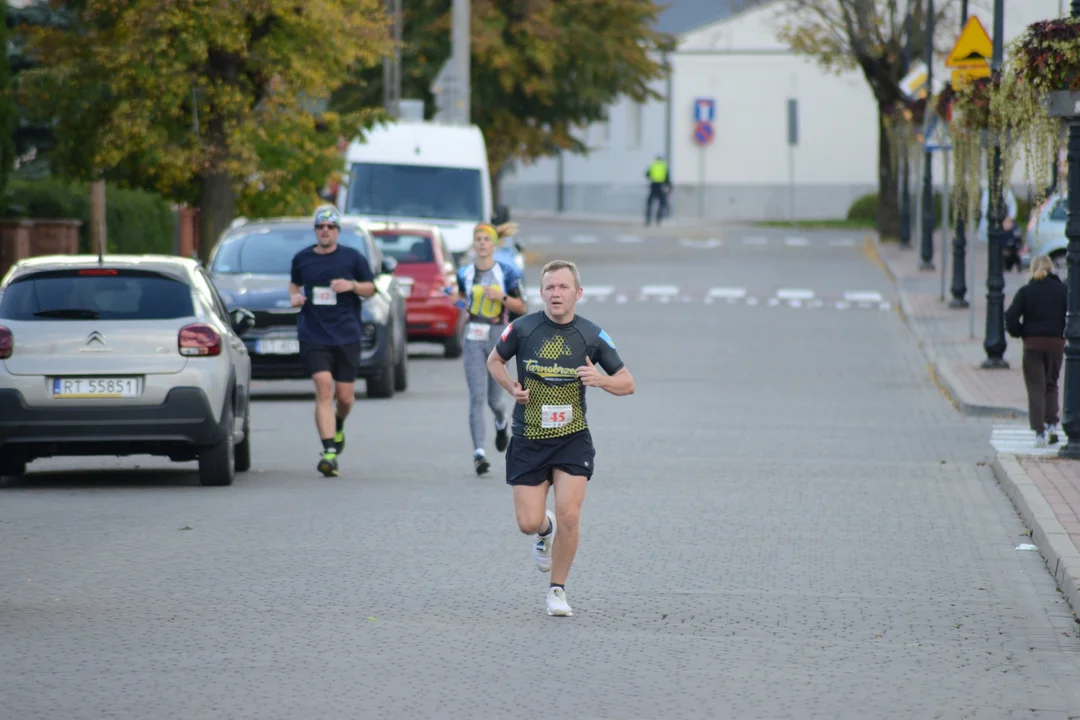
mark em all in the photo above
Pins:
pixel 970 125
pixel 1041 71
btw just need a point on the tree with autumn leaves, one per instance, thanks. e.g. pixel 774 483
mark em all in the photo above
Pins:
pixel 867 35
pixel 539 68
pixel 241 105
pixel 215 102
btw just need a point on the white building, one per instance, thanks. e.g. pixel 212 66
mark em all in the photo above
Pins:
pixel 749 171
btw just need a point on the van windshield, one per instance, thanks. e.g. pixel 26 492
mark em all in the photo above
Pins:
pixel 414 191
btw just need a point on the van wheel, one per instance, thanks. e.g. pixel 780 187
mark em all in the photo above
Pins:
pixel 243 450
pixel 217 463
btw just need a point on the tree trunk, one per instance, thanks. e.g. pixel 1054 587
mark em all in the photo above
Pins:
pixel 217 208
pixel 888 212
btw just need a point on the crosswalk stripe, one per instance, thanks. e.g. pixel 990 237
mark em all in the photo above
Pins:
pixel 794 294
pixel 796 241
pixel 1020 440
pixel 583 239
pixel 862 296
pixel 660 290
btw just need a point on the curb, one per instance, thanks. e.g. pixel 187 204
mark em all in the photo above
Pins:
pixel 942 375
pixel 1057 548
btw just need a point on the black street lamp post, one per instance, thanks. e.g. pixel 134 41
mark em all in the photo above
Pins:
pixel 959 243
pixel 995 343
pixel 1071 408
pixel 926 251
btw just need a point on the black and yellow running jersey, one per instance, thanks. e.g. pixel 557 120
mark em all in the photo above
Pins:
pixel 548 356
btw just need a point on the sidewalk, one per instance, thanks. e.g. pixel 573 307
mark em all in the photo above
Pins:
pixel 1044 488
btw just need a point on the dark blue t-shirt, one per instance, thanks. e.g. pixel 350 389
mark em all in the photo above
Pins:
pixel 329 318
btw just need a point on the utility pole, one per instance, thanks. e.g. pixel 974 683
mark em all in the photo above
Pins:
pixel 927 246
pixel 995 342
pixel 392 63
pixel 905 190
pixel 461 56
pixel 959 285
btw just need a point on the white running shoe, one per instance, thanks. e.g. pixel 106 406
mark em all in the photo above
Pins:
pixel 1053 431
pixel 1040 440
pixel 543 545
pixel 556 603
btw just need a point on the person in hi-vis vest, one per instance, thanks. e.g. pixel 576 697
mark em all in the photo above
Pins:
pixel 659 187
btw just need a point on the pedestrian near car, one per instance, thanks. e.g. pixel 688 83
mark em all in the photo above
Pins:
pixel 557 354
pixel 1037 314
pixel 490 292
pixel 327 283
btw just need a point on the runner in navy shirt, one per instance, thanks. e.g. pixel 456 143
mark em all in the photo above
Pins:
pixel 326 283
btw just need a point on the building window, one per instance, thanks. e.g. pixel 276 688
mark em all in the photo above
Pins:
pixel 634 120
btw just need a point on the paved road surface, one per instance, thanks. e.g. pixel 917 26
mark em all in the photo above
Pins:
pixel 788 520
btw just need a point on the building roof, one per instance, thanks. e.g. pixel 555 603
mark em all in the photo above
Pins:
pixel 681 16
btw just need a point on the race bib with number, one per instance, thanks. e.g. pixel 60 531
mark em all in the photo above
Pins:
pixel 477 331
pixel 556 416
pixel 323 296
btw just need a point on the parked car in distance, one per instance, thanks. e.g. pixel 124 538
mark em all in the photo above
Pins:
pixel 251 264
pixel 1046 230
pixel 426 269
pixel 122 355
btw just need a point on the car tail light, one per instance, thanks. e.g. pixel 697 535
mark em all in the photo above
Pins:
pixel 199 340
pixel 7 343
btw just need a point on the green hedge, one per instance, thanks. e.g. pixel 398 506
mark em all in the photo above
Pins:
pixel 864 209
pixel 136 221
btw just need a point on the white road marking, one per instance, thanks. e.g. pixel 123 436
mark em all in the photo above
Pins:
pixel 597 290
pixel 726 292
pixel 660 290
pixel 583 239
pixel 539 240
pixel 705 244
pixel 1020 440
pixel 794 294
pixel 620 299
pixel 796 241
pixel 628 239
pixel 862 296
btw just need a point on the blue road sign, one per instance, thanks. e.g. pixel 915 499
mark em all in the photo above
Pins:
pixel 704 110
pixel 703 132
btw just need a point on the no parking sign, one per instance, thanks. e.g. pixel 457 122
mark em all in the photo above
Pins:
pixel 704 115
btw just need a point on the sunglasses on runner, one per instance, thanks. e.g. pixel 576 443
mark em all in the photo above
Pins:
pixel 326 226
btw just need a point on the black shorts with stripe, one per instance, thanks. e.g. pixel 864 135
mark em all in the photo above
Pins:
pixel 532 462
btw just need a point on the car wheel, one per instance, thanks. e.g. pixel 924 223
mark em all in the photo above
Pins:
pixel 401 370
pixel 217 463
pixel 453 344
pixel 1058 258
pixel 243 450
pixel 12 467
pixel 381 385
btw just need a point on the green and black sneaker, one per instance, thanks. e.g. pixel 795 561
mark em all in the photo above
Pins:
pixel 328 464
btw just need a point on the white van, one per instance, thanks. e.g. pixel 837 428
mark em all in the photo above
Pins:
pixel 416 171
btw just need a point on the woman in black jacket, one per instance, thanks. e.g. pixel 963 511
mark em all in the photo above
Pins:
pixel 1037 314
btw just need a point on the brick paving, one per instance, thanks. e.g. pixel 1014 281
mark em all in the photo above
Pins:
pixel 1045 488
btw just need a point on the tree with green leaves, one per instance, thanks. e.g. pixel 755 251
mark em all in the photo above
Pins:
pixel 8 112
pixel 868 35
pixel 539 68
pixel 223 101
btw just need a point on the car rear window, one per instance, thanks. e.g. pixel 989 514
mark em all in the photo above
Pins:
pixel 96 294
pixel 407 249
pixel 1060 211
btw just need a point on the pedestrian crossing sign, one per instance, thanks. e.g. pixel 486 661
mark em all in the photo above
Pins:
pixel 973 48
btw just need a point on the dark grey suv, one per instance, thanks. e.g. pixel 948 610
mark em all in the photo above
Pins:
pixel 250 266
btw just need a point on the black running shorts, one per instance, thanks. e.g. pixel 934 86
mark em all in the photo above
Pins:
pixel 341 361
pixel 530 462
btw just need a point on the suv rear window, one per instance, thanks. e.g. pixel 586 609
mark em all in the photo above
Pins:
pixel 406 249
pixel 96 294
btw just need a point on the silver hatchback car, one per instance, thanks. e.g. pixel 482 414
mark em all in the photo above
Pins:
pixel 122 355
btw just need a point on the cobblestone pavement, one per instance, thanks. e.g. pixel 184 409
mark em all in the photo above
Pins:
pixel 788 520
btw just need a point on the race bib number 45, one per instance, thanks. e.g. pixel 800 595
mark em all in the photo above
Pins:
pixel 323 296
pixel 556 416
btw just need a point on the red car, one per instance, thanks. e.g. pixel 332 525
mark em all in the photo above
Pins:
pixel 428 275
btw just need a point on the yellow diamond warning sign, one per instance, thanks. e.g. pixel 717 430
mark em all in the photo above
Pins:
pixel 973 48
